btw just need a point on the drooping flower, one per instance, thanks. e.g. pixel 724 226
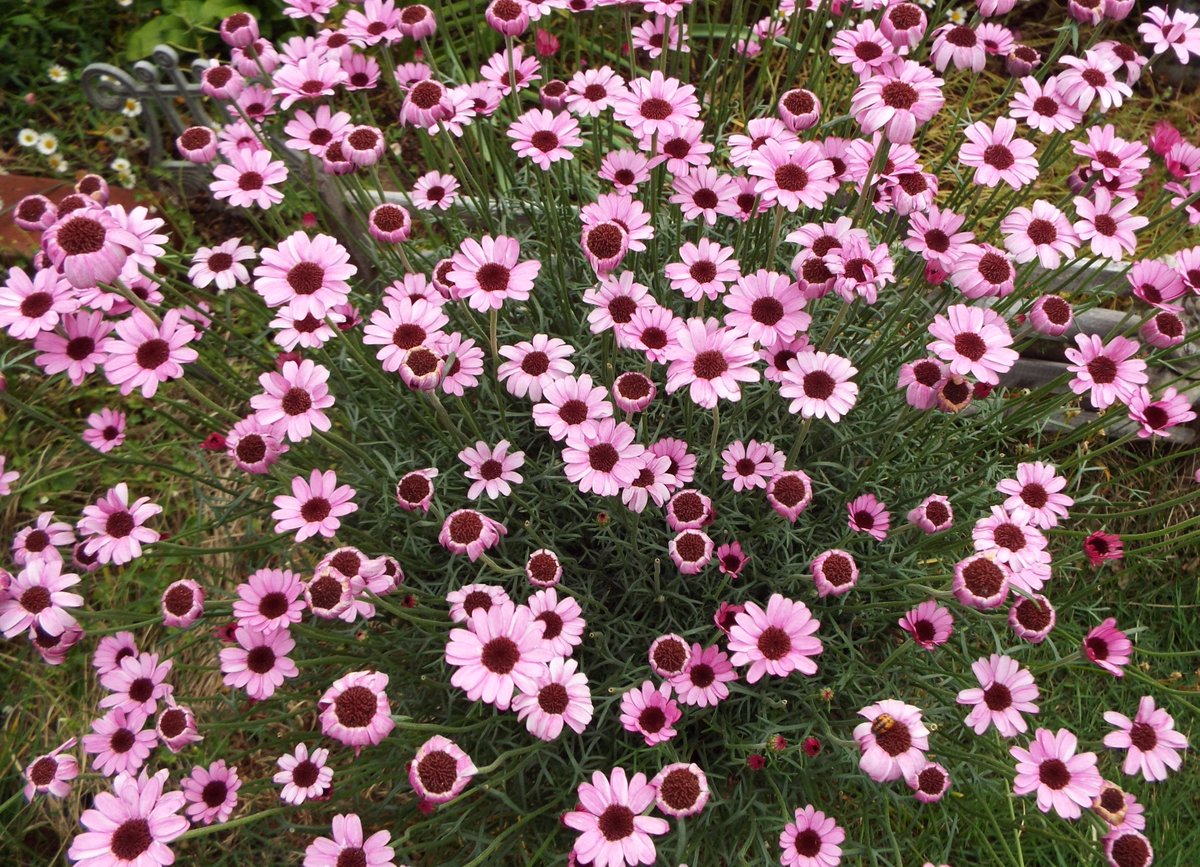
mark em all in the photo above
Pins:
pixel 1108 647
pixel 52 773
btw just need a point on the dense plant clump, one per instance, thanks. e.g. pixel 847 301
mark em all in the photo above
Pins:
pixel 619 445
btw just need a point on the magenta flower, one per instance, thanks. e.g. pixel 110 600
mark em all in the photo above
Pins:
pixel 558 696
pixel 834 572
pixel 1093 78
pixel 211 793
pixel 561 619
pixel 30 306
pixel 930 783
pixel 492 469
pixel 487 274
pixel 89 246
pixel 1171 29
pixel 1107 371
pixel 145 353
pixel 253 446
pixel 77 351
pixel 37 598
pixel 1042 232
pixel 1005 692
pixel 314 506
pixel 681 790
pixel 703 681
pixel 469 532
pixel 105 430
pixel 1109 225
pixel 929 624
pixel 440 770
pixel 767 306
pixel 293 400
pixel 434 190
pixel 119 743
pixel 249 179
pixel 790 492
pixel 348 843
pixel 303 776
pixel 869 515
pixel 731 559
pixel 811 839
pixel 1124 846
pixel 997 156
pixel 176 726
pixel 1150 739
pixel 776 640
pixel 259 663
pixel 704 270
pixel 545 137
pixel 1044 107
pixel 113 530
pixel 601 457
pixel 137 683
pixel 614 830
pixel 975 341
pixel 750 465
pixel 355 709
pixel 707 193
pixel 1037 488
pixel 892 741
pixel 568 403
pixel 691 551
pixel 271 599
pixel 503 650
pixel 1032 618
pixel 532 365
pixel 650 712
pixel 1157 417
pixel 591 91
pixel 52 773
pixel 820 385
pixel 1108 647
pixel 933 514
pixel 1063 780
pixel 132 825
pixel 626 169
pixel 308 275
pixel 711 360
pixel 980 582
pixel 651 105
pixel 897 100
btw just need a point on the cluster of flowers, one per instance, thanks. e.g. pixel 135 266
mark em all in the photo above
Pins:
pixel 95 300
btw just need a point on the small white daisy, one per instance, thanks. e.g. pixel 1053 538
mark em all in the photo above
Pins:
pixel 27 137
pixel 121 165
pixel 58 74
pixel 132 107
pixel 58 163
pixel 118 134
pixel 47 144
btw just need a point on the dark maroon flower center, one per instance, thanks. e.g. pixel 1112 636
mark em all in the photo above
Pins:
pixel 891 735
pixel 131 839
pixel 766 311
pixel 604 241
pixel 35 305
pixel 633 386
pixel 121 741
pixel 1032 614
pixel 799 102
pixel 172 723
pixel 994 268
pixel 937 513
pixel 690 547
pixel 81 235
pixel 119 524
pixel 214 793
pixel 603 457
pixel 808 843
pixel 389 219
pixel 1143 736
pixel 251 449
pixel 543 567
pixel 670 655
pixel 305 774
pixel 1046 106
pixel 702 675
pixel 864 520
pixel 1054 774
pixel 553 699
pixel 867 51
pixel 43 771
pixel 306 278
pixel 962 36
pixel 931 781
pixel 838 570
pixel 179 600
pixel 355 708
pixel 1131 850
pixel 573 412
pixel 315 510
pixel 774 644
pixel 153 353
pixel 790 490
pixel 655 108
pixel 998 156
pixel 983 578
pixel 1041 232
pixel 492 277
pixel 552 624
pixel 37 541
pixel 924 631
pixel 679 789
pixel 791 178
pixel 998 697
pixel 709 364
pixel 899 94
pixel 616 822
pixel 1009 536
pixel 1102 369
pixel 438 772
pixel 544 140
pixel 250 181
pixel 652 719
pixel 818 385
pixel 296 401
pixel 35 600
pixel 1094 77
pixel 500 655
pixel 1105 225
pixel 970 345
pixel 465 528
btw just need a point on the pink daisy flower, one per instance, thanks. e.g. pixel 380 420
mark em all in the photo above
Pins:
pixel 624 210
pixel 731 559
pixel 145 353
pixel 751 465
pixel 1063 780
pixel 1009 537
pixel 303 776
pixel 767 306
pixel 37 598
pixel 89 247
pixel 1171 29
pixel 601 457
pixel 790 492
pixel 1108 372
pixel 1093 78
pixel 614 831
pixel 293 400
pixel 568 403
pixel 403 324
pixel 464 371
pixel 615 301
pixel 466 600
pixel 777 640
pixel 1037 489
pixel 1005 692
pixel 793 177
pixel 869 515
pixel 415 489
pixel 702 683
pixel 307 274
pixel 653 483
pixel 355 710
pixel 980 582
pixel 487 274
pixel 314 506
pixel 819 385
pixel 134 824
pixel 1157 417
pixel 892 742
pixel 957 45
pixel 507 74
pixel 864 49
pixel 974 341
pixel 711 360
pixel 561 619
pixel 271 599
pixel 1042 232
pixel 469 532
pixel 651 105
pixel 545 137
pixel 503 650
pixel 682 466
pixel 1150 739
pixel 221 266
pixel 559 696
pixel 834 573
pixel 137 683
pixel 78 350
pixel 933 515
pixel 176 726
pixel 1108 647
pixel 681 790
pixel 1044 107
pixel 119 742
pixel 1109 226
pixel 704 271
pixel 591 91
pixel 811 839
pixel 253 446
pixel 633 392
pixel 897 100
pixel 314 132
pixel 259 663
pixel 997 156
pixel 690 510
pixel 113 530
pixel 440 770
pixel 650 712
pixel 931 782
pixel 929 624
pixel 249 179
pixel 31 306
pixel 434 190
pixel 705 192
pixel 534 364
pixel 41 540
pixel 348 843
pixel 52 773
pixel 492 469
pixel 691 551
pixel 211 793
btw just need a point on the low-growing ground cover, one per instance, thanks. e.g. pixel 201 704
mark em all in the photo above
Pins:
pixel 774 431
